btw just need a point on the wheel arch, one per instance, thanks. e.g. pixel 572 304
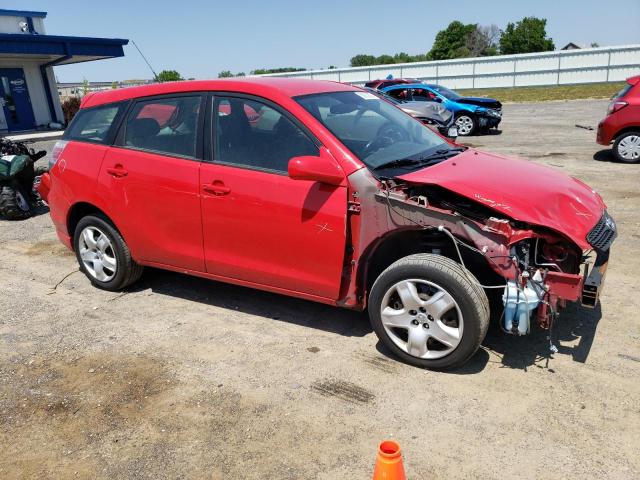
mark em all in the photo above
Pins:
pixel 622 131
pixel 397 244
pixel 80 210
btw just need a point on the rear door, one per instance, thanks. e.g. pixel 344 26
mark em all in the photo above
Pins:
pixel 259 225
pixel 150 181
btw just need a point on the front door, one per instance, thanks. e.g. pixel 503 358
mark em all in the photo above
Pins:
pixel 259 225
pixel 15 100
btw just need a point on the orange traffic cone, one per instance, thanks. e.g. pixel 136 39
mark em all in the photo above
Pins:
pixel 389 462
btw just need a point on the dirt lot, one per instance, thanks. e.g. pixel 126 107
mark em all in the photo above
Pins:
pixel 186 378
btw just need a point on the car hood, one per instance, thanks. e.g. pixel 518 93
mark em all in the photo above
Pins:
pixel 431 110
pixel 480 102
pixel 520 189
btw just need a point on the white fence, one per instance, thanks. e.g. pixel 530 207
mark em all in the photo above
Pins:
pixel 562 67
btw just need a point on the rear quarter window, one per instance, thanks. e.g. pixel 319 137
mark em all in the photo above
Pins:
pixel 94 124
pixel 626 89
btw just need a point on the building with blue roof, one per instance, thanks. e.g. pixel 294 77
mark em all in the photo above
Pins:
pixel 28 93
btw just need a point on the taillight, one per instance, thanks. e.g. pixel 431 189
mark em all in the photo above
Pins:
pixel 56 152
pixel 615 106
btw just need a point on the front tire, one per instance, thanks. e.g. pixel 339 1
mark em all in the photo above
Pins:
pixel 466 124
pixel 429 312
pixel 627 147
pixel 103 255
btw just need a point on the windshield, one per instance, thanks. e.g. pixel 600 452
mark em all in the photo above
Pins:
pixel 385 96
pixel 445 92
pixel 374 130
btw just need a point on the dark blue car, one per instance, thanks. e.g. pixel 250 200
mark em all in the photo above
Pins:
pixel 472 113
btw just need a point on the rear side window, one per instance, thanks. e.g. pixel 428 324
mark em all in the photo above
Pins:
pixel 164 125
pixel 93 124
pixel 624 91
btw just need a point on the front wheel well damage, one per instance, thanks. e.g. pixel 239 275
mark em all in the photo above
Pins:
pixel 400 244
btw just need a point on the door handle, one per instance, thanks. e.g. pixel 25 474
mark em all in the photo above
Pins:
pixel 117 171
pixel 216 187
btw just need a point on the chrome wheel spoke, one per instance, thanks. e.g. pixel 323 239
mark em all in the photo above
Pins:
pixel 449 336
pixel 87 236
pixel 109 263
pixel 393 318
pixel 102 243
pixel 408 293
pixel 87 255
pixel 98 269
pixel 439 304
pixel 417 341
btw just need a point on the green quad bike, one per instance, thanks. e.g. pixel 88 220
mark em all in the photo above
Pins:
pixel 18 177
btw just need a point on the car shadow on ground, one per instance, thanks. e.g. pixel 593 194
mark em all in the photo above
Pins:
pixel 576 325
pixel 256 302
pixel 605 155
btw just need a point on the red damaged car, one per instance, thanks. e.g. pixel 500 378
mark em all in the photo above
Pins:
pixel 329 194
pixel 622 123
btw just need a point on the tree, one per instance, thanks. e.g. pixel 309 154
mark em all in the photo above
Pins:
pixel 451 42
pixel 225 74
pixel 240 74
pixel 361 60
pixel 385 60
pixel 262 71
pixel 483 41
pixel 168 76
pixel 86 87
pixel 526 36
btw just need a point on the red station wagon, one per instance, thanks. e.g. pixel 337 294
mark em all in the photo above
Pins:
pixel 323 191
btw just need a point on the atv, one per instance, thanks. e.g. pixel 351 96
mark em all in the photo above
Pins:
pixel 18 177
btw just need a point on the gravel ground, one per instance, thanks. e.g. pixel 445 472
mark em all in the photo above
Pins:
pixel 185 378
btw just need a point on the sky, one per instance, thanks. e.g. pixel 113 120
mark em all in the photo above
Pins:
pixel 201 38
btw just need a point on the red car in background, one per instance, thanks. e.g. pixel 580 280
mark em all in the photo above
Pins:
pixel 622 123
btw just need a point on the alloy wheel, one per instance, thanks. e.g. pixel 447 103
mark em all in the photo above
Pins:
pixel 629 147
pixel 97 254
pixel 422 318
pixel 464 124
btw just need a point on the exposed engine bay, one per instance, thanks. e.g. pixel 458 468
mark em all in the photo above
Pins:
pixel 536 269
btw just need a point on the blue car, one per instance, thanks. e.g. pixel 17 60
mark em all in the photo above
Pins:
pixel 472 113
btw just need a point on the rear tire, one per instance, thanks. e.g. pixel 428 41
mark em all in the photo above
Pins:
pixel 103 255
pixel 448 321
pixel 14 203
pixel 627 147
